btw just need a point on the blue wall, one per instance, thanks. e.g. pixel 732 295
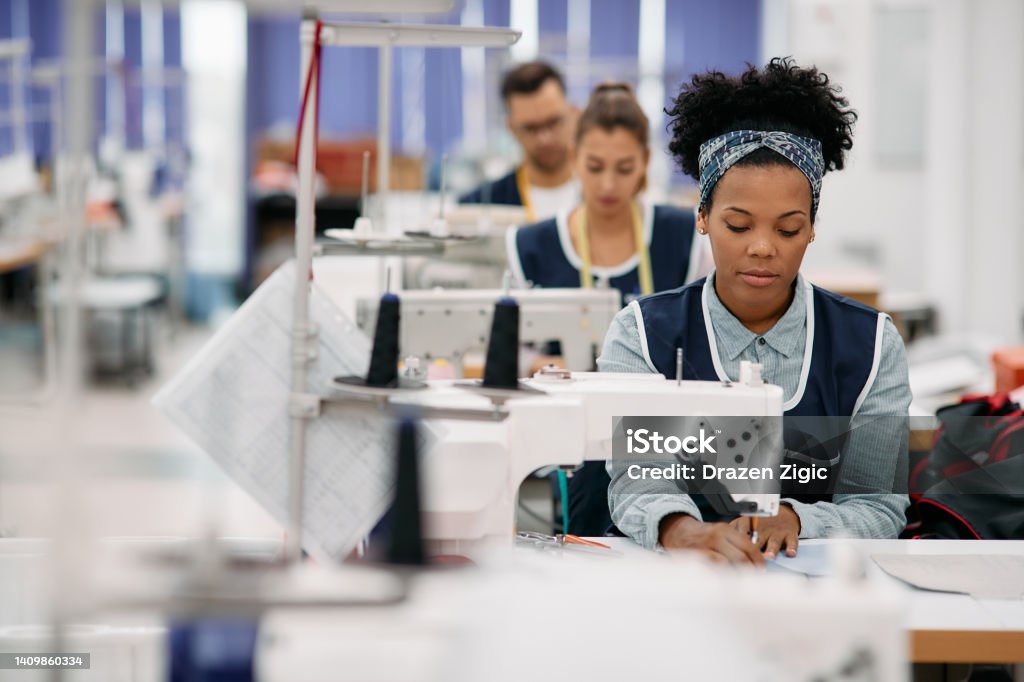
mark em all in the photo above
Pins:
pixel 42 21
pixel 723 35
pixel 553 16
pixel 349 89
pixel 699 34
pixel 273 68
pixel 614 28
pixel 175 97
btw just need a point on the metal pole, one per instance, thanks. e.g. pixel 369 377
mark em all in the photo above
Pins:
pixel 384 134
pixel 79 37
pixel 19 125
pixel 364 192
pixel 68 544
pixel 384 150
pixel 305 214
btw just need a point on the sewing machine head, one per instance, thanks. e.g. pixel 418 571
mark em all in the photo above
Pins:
pixel 472 474
pixel 448 323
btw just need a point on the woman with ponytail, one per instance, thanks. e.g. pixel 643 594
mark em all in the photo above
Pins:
pixel 611 239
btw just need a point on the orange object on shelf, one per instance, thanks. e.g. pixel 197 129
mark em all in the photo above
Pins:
pixel 1009 368
pixel 341 164
pixel 102 215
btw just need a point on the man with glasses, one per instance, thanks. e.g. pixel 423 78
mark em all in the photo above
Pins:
pixel 541 120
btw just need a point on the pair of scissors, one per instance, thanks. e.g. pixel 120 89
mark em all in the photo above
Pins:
pixel 560 539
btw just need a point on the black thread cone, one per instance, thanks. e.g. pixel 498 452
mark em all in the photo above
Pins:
pixel 404 519
pixel 384 358
pixel 501 368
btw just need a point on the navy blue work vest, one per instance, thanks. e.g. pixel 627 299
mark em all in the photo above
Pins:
pixel 842 356
pixel 502 191
pixel 542 254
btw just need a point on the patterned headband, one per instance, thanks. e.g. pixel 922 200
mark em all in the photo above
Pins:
pixel 719 154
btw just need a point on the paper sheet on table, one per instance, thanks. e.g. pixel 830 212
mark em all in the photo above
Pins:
pixel 232 400
pixel 986 576
pixel 810 560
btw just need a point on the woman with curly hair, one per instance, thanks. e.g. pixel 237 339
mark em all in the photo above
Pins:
pixel 759 145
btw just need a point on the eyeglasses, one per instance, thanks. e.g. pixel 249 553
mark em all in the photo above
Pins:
pixel 552 125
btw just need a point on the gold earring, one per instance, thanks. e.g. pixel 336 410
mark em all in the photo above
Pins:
pixel 811 239
pixel 702 231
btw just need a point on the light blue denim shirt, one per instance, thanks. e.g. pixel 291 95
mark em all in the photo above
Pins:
pixel 863 505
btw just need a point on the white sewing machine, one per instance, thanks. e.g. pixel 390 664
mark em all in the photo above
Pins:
pixel 448 323
pixel 471 476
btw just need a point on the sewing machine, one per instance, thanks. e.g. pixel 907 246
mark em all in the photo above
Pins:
pixel 472 473
pixel 448 323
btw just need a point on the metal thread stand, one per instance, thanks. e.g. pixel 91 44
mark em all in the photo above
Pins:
pixel 304 405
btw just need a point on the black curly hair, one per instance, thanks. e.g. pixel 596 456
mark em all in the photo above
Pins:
pixel 782 96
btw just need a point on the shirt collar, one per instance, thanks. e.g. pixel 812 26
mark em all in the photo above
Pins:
pixel 785 337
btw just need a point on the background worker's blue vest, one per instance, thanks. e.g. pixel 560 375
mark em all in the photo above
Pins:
pixel 842 355
pixel 544 261
pixel 541 255
pixel 502 191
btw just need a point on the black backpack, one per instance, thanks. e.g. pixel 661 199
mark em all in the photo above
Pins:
pixel 971 484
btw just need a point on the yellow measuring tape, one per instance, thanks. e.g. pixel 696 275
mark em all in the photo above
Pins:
pixel 524 193
pixel 646 279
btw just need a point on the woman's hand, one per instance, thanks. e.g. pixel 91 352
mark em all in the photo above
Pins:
pixel 773 532
pixel 718 541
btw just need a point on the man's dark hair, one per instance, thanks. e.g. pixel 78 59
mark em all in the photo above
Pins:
pixel 528 78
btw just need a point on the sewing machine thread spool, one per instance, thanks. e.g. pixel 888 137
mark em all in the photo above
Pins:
pixel 501 367
pixel 384 357
pixel 406 545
